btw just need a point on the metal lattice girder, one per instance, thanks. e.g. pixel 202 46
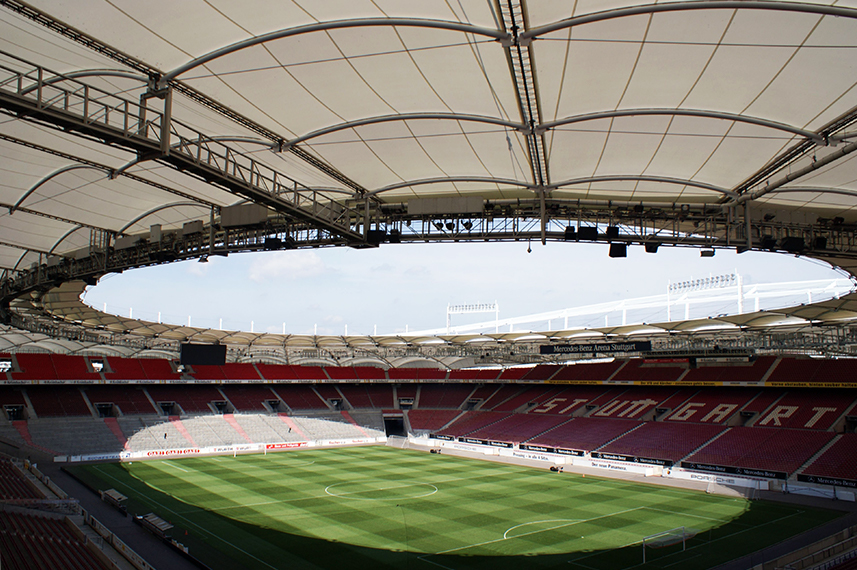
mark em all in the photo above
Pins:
pixel 80 108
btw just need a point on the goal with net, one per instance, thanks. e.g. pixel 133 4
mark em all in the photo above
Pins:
pixel 668 538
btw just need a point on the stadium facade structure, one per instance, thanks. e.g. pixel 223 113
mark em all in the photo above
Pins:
pixel 626 132
pixel 133 139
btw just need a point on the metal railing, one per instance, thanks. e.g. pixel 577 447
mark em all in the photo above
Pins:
pixel 143 127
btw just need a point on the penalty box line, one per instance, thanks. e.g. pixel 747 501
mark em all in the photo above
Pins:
pixel 575 561
pixel 579 521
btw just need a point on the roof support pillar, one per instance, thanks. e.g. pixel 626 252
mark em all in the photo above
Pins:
pixel 211 232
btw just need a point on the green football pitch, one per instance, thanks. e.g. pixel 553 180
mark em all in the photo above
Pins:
pixel 379 507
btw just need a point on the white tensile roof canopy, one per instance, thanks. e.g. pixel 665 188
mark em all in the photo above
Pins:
pixel 742 110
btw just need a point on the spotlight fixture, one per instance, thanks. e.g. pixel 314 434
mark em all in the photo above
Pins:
pixel 450 226
pixel 468 225
pixel 618 250
pixel 706 253
pixel 203 259
pixel 652 246
pixel 570 233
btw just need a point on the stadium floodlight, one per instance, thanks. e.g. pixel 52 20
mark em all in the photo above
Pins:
pixel 618 250
pixel 473 308
pixel 652 246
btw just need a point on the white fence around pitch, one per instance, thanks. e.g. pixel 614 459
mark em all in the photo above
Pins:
pixel 749 485
pixel 216 450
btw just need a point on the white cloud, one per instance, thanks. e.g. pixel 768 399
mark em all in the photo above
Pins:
pixel 290 265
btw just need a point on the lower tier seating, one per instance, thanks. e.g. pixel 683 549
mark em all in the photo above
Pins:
pixel 663 440
pixel 585 434
pixel 430 420
pixel 838 461
pixel 31 541
pixel 783 450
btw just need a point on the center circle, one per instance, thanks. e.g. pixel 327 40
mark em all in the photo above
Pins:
pixel 377 490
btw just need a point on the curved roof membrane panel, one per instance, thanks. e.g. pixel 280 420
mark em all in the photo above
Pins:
pixel 705 119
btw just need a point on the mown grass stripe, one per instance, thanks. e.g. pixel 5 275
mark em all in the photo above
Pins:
pixel 275 509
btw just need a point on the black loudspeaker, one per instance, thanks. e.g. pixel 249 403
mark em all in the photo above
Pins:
pixel 612 232
pixel 819 243
pixel 768 242
pixel 395 236
pixel 652 246
pixel 587 233
pixel 273 243
pixel 570 234
pixel 618 250
pixel 203 354
pixel 793 244
pixel 376 236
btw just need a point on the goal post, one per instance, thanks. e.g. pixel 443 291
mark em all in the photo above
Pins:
pixel 668 538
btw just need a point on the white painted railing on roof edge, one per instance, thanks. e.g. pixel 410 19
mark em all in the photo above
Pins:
pixel 694 303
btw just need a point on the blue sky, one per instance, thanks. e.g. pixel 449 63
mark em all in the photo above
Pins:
pixel 410 285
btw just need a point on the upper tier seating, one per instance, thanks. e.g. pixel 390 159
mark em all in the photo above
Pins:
pixel 416 374
pixel 34 367
pixel 157 369
pixel 541 372
pixel 476 375
pixel 443 395
pixel 513 374
pixel 637 371
pixel 70 367
pixel 345 373
pixel 230 371
pixel 751 372
pixel 596 371
pixel 124 369
pixel 813 370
